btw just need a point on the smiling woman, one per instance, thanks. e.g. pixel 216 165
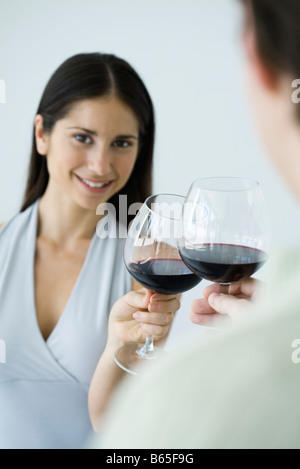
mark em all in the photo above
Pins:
pixel 93 77
pixel 93 140
pixel 88 156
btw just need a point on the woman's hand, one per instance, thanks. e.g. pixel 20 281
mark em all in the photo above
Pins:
pixel 224 304
pixel 133 317
pixel 141 313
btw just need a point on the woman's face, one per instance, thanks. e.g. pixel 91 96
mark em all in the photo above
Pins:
pixel 92 151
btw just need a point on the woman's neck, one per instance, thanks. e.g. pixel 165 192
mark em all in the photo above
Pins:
pixel 63 221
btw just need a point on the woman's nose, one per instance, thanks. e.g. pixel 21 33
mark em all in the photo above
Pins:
pixel 99 161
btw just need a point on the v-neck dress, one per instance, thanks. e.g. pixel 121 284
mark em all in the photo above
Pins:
pixel 44 384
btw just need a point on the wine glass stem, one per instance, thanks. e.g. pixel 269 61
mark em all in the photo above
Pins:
pixel 149 345
pixel 148 348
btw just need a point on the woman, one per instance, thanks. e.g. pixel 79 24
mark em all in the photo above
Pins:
pixel 240 389
pixel 65 295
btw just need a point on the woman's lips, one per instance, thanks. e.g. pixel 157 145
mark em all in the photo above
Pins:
pixel 96 187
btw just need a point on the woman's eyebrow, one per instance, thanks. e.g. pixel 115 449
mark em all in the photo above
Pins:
pixel 128 136
pixel 93 132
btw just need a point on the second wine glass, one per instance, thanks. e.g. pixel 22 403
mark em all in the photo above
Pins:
pixel 152 258
pixel 226 231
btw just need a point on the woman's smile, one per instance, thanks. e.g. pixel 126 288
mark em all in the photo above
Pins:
pixel 95 186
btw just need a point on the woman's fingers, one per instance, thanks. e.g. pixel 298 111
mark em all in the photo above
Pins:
pixel 141 313
pixel 162 297
pixel 146 299
pixel 158 332
pixel 158 319
pixel 126 306
pixel 169 306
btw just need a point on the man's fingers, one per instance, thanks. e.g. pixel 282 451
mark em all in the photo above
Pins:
pixel 201 306
pixel 210 320
pixel 228 304
pixel 246 287
pixel 204 315
pixel 215 288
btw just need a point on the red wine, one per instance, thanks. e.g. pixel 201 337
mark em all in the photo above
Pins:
pixel 168 276
pixel 223 263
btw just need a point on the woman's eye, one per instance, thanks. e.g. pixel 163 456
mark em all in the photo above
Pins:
pixel 122 144
pixel 83 138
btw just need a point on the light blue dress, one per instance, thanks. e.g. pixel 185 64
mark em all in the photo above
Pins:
pixel 44 384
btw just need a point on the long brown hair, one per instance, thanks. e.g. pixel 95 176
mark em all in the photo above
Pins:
pixel 94 75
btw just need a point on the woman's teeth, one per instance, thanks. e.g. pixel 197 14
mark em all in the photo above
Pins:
pixel 97 185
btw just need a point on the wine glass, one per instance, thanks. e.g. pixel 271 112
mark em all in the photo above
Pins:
pixel 225 229
pixel 152 258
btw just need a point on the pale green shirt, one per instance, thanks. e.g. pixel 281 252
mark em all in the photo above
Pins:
pixel 239 389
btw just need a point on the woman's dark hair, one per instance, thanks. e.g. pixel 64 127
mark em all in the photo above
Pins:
pixel 95 75
pixel 277 28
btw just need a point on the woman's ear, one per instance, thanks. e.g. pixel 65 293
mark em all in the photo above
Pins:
pixel 264 73
pixel 42 139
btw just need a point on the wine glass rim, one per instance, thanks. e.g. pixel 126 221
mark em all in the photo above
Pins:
pixel 148 204
pixel 252 183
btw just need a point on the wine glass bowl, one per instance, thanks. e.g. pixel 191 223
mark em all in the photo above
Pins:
pixel 225 229
pixel 152 258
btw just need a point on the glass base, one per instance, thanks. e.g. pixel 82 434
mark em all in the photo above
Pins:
pixel 131 360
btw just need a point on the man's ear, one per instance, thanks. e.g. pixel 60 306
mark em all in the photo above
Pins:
pixel 264 73
pixel 42 139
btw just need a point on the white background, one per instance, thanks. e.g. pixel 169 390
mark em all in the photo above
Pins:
pixel 189 55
